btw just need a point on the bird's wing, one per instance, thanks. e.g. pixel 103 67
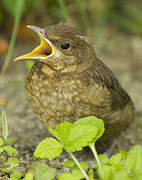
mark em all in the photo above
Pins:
pixel 105 92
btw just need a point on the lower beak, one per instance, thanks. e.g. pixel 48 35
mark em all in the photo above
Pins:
pixel 43 51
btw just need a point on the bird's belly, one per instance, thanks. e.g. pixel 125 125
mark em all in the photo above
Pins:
pixel 58 100
pixel 61 101
pixel 66 99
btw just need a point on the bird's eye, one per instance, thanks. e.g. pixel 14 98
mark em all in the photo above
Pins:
pixel 65 45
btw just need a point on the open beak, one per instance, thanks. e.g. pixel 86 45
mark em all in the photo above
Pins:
pixel 43 51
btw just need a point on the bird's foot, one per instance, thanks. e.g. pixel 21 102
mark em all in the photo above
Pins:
pixel 110 149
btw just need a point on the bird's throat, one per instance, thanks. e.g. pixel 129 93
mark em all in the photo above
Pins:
pixel 48 70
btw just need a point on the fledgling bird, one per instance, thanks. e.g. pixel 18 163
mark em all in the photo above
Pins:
pixel 68 82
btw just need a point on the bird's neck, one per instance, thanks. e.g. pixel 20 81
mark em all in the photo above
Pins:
pixel 45 69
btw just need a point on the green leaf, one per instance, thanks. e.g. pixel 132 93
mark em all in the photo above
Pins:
pixel 122 175
pixel 123 153
pixel 68 176
pixel 1 150
pixel 98 123
pixel 104 159
pixel 84 165
pixel 5 170
pixel 80 136
pixel 5 126
pixel 95 166
pixel 115 160
pixel 48 148
pixel 77 173
pixel 74 136
pixel 9 149
pixel 15 176
pixel 13 161
pixel 69 163
pixel 11 140
pixel 44 172
pixel 1 141
pixel 133 161
pixel 128 168
pixel 105 172
pixel 29 64
pixel 29 176
pixel 138 175
pixel 91 174
pixel 62 131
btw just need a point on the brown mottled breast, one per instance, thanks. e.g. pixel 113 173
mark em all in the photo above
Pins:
pixel 58 97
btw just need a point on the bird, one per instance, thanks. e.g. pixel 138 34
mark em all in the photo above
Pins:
pixel 68 82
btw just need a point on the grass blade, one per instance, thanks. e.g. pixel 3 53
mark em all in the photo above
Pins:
pixel 64 10
pixel 14 34
pixel 5 126
pixel 83 15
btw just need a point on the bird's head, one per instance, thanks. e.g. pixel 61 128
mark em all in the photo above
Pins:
pixel 62 48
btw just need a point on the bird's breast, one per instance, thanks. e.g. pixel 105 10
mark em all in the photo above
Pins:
pixel 55 98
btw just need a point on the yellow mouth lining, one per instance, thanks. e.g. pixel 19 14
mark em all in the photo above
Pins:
pixel 43 51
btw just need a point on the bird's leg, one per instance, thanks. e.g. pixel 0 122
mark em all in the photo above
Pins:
pixel 110 149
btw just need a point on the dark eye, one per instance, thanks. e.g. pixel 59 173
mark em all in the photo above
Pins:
pixel 65 45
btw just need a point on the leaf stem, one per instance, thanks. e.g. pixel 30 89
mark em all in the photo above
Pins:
pixel 93 149
pixel 4 127
pixel 79 166
pixel 2 163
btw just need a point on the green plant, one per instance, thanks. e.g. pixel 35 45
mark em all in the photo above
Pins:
pixel 124 165
pixel 15 8
pixel 40 171
pixel 64 11
pixel 29 64
pixel 7 161
pixel 71 138
pixel 85 132
pixel 17 13
pixel 91 16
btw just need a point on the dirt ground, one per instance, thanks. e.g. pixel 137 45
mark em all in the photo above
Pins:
pixel 121 52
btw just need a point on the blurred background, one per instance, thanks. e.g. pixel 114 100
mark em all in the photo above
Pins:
pixel 98 18
pixel 115 27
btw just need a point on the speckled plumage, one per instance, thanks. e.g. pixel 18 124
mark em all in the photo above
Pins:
pixel 75 83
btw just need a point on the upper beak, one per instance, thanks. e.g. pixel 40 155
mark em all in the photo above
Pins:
pixel 44 50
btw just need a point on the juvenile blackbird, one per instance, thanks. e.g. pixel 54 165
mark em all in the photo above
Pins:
pixel 68 82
